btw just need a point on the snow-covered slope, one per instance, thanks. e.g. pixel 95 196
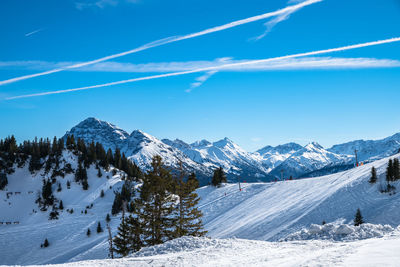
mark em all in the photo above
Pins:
pixel 20 243
pixel 309 158
pixel 191 251
pixel 261 211
pixel 273 210
pixel 370 149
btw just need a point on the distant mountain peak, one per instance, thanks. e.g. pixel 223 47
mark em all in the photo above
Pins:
pixel 224 142
pixel 314 145
pixel 201 143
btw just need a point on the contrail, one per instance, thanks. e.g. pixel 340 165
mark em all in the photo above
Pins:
pixel 213 68
pixel 30 33
pixel 168 40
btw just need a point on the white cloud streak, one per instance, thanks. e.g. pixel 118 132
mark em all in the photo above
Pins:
pixel 167 41
pixel 216 68
pixel 162 67
pixel 33 32
pixel 200 80
pixel 269 25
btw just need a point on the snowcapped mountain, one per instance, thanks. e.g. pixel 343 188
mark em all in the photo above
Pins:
pixel 273 156
pixel 370 149
pixel 138 146
pixel 309 158
pixel 92 129
pixel 204 156
pixel 224 153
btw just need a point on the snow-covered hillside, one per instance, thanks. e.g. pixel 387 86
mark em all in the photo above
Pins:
pixel 203 156
pixel 260 211
pixel 269 211
pixel 20 241
pixel 190 251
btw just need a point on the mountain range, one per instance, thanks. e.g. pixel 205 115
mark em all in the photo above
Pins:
pixel 202 157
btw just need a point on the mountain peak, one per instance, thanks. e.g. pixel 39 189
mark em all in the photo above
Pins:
pixel 201 143
pixel 224 142
pixel 314 145
pixel 93 129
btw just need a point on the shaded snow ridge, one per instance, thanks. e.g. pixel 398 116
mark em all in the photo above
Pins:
pixel 202 157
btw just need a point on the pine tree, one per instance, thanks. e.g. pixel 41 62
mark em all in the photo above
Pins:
pixel 46 243
pixel 389 171
pixel 192 178
pixel 61 206
pixel 135 228
pixel 218 177
pixel 117 204
pixel 128 238
pixel 102 193
pixel 108 219
pixel 99 229
pixel 396 169
pixel 358 219
pixel 373 178
pixel 156 204
pixel 3 181
pixel 68 184
pixel 122 239
pixel 99 174
pixel 47 193
pixel 85 184
pixel 88 232
pixel 188 215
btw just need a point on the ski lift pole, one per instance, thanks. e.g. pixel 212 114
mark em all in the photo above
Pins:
pixel 240 189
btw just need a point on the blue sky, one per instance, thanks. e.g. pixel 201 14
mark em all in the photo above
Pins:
pixel 329 98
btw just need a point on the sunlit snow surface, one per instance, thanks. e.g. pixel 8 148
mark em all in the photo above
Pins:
pixel 260 211
pixel 239 252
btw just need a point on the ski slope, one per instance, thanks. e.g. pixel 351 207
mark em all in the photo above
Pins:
pixel 261 211
pixel 270 211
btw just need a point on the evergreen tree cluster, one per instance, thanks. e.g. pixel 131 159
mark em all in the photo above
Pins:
pixel 45 153
pixel 165 209
pixel 374 177
pixel 123 198
pixel 393 170
pixel 218 177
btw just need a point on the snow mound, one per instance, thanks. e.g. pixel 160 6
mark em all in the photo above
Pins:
pixel 186 243
pixel 340 232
